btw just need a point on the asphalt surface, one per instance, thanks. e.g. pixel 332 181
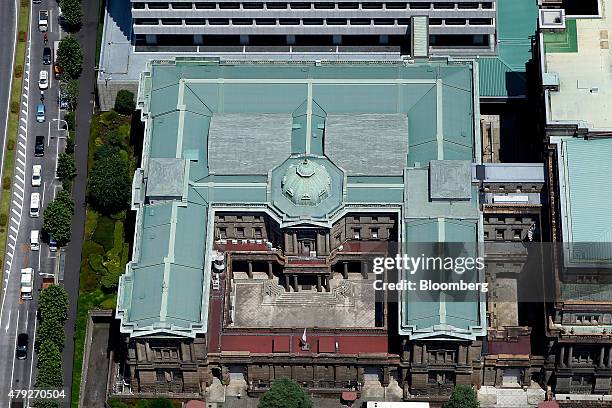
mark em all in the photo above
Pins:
pixel 85 107
pixel 17 315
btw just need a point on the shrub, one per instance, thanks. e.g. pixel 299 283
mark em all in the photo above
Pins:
pixel 70 120
pixel 70 144
pixel 3 219
pixel 115 403
pixel 6 183
pixel 285 393
pixel 104 233
pixel 463 396
pixel 124 103
pixel 14 107
pixel 160 403
pixel 110 184
pixel 18 71
pixel 10 145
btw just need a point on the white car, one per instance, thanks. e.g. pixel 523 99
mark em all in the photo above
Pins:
pixel 43 80
pixel 36 175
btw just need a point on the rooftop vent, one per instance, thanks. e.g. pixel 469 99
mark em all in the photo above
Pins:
pixel 552 19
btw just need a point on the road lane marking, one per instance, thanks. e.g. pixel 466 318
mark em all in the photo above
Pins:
pixel 16 212
pixel 16 194
pixel 23 154
pixel 19 187
pixel 8 321
pixel 15 230
pixel 22 171
pixel 20 161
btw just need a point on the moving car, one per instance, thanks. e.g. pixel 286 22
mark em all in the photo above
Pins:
pixel 46 58
pixel 43 79
pixel 36 175
pixel 57 70
pixel 40 113
pixel 39 146
pixel 21 352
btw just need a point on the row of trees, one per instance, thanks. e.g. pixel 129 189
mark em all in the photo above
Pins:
pixel 72 15
pixel 52 312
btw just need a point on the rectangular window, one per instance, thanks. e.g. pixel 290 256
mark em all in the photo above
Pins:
pixel 222 233
pixel 239 232
pixel 374 233
pixel 356 233
pixel 516 234
pixel 499 234
pixel 258 233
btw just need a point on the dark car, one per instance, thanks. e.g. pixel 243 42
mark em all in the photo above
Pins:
pixel 46 56
pixel 52 244
pixel 21 352
pixel 39 146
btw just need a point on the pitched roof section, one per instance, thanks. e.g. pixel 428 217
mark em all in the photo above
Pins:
pixel 245 143
pixel 367 144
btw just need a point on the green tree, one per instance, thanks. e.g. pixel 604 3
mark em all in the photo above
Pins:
pixel 70 57
pixel 285 393
pixel 49 373
pixel 124 102
pixel 109 184
pixel 463 396
pixel 115 403
pixel 71 92
pixel 160 403
pixel 48 354
pixel 53 303
pixel 50 330
pixel 46 404
pixel 66 167
pixel 72 14
pixel 70 120
pixel 57 217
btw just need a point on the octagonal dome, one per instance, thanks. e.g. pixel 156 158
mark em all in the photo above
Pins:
pixel 306 183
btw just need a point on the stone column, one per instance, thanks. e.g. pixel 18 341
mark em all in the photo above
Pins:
pixel 570 356
pixel 270 273
pixel 294 250
pixel 327 283
pixel 385 377
pixel 610 357
pixel 250 271
pixel 327 244
pixel 295 284
pixel 345 270
pixel 319 283
pixel 425 357
pixel 601 356
pixel 364 269
pixel 461 358
pixel 562 357
pixel 287 286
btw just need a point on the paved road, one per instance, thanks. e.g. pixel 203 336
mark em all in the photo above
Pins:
pixel 8 20
pixel 17 316
pixel 87 38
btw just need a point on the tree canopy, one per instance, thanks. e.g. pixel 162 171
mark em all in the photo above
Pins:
pixel 57 217
pixel 70 57
pixel 463 396
pixel 53 303
pixel 66 167
pixel 72 14
pixel 285 393
pixel 124 102
pixel 109 184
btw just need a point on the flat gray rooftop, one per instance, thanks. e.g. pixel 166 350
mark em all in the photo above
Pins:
pixel 367 144
pixel 248 143
pixel 265 305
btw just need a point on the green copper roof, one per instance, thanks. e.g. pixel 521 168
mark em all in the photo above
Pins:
pixel 505 75
pixel 585 192
pixel 300 141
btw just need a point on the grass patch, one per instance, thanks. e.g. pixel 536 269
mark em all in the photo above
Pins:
pixel 105 250
pixel 13 121
pixel 104 233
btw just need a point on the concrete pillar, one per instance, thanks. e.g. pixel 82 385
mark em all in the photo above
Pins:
pixel 570 356
pixel 327 244
pixel 385 377
pixel 337 39
pixel 326 279
pixel 462 354
pixel 244 39
pixel 610 357
pixel 250 271
pixel 287 287
pixel 345 270
pixel 467 355
pixel 601 356
pixel 319 283
pixel 270 274
pixel 425 358
pixel 364 269
pixel 287 247
pixel 562 357
pixel 295 284
pixel 291 40
pixel 295 244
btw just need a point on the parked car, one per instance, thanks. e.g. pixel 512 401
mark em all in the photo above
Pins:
pixel 62 100
pixel 40 113
pixel 46 58
pixel 34 240
pixel 52 244
pixel 39 146
pixel 36 173
pixel 57 70
pixel 43 79
pixel 21 351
